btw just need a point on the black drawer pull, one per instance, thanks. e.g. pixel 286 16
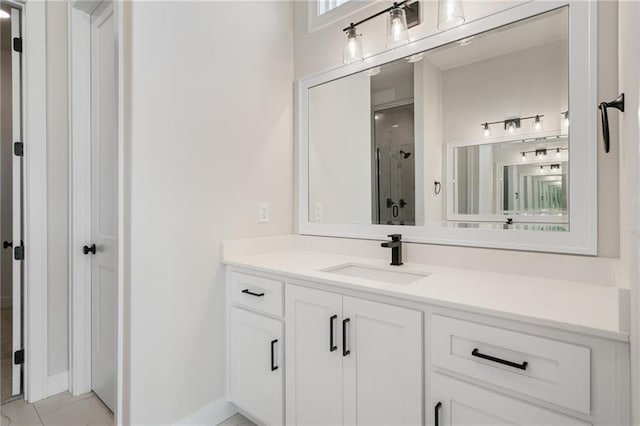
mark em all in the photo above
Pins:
pixel 345 351
pixel 522 366
pixel 332 346
pixel 273 355
pixel 249 292
pixel 436 414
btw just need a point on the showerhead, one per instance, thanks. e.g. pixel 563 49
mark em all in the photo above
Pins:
pixel 405 154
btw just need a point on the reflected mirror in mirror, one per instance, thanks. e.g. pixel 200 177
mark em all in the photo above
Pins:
pixel 474 133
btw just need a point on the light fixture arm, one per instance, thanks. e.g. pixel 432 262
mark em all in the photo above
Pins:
pixel 382 12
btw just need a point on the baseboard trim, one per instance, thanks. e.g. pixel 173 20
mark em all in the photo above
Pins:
pixel 212 414
pixel 57 383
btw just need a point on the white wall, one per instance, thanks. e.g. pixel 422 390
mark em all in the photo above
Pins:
pixel 519 84
pixel 322 50
pixel 340 151
pixel 210 93
pixel 58 188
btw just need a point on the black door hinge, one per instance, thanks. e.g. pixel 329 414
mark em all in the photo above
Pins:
pixel 17 44
pixel 18 357
pixel 18 149
pixel 18 252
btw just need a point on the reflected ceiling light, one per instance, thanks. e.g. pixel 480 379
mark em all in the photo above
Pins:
pixel 397 29
pixel 4 15
pixel 395 126
pixel 415 58
pixel 466 41
pixel 537 123
pixel 352 46
pixel 372 71
pixel 450 14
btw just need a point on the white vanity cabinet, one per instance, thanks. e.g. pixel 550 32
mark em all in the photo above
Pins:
pixel 457 403
pixel 351 361
pixel 256 355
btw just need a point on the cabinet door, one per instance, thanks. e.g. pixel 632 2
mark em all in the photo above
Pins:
pixel 464 404
pixel 256 365
pixel 314 359
pixel 383 368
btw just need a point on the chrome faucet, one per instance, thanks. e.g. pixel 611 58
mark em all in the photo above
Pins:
pixel 396 248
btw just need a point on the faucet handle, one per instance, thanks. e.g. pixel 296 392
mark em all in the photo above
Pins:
pixel 395 237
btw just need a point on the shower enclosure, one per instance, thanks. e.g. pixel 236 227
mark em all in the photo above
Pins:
pixel 394 166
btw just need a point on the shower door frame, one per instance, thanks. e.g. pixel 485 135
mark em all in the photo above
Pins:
pixel 375 160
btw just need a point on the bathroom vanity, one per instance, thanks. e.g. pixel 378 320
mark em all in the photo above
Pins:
pixel 320 338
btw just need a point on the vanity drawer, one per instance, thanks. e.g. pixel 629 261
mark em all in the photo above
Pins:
pixel 546 369
pixel 257 293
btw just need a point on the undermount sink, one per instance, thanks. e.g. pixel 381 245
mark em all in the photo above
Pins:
pixel 377 273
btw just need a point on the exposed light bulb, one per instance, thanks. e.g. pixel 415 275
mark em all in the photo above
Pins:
pixel 450 14
pixel 537 123
pixel 511 127
pixel 397 29
pixel 4 15
pixel 352 47
pixel 486 132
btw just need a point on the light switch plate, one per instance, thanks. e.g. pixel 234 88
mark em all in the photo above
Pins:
pixel 263 212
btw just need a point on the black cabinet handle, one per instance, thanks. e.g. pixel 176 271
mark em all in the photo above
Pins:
pixel 249 292
pixel 522 366
pixel 436 414
pixel 87 249
pixel 332 346
pixel 618 104
pixel 345 351
pixel 273 355
pixel 7 244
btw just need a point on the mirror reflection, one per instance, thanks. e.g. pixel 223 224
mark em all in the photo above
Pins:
pixel 470 134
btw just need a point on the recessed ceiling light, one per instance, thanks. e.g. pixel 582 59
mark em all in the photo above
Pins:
pixel 4 15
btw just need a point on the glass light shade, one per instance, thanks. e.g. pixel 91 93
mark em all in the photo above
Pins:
pixel 450 14
pixel 352 47
pixel 397 30
pixel 537 123
pixel 486 132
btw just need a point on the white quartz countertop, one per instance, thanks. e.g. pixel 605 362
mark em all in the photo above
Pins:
pixel 566 305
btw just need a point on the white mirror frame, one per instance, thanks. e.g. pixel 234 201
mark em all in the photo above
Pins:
pixel 583 226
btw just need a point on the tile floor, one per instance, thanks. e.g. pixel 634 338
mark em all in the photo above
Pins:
pixel 237 420
pixel 58 410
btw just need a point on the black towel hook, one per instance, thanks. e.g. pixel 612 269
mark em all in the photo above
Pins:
pixel 618 104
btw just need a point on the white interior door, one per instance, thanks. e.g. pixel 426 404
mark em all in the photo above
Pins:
pixel 17 173
pixel 104 204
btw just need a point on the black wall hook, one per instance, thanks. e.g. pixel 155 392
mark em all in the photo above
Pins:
pixel 618 104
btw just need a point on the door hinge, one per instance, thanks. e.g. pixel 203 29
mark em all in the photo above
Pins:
pixel 18 357
pixel 18 252
pixel 17 44
pixel 18 149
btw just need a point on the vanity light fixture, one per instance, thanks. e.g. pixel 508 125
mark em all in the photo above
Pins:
pixel 486 132
pixel 537 123
pixel 524 156
pixel 511 124
pixel 541 152
pixel 352 46
pixel 558 152
pixel 401 16
pixel 397 29
pixel 450 14
pixel 555 167
pixel 565 118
